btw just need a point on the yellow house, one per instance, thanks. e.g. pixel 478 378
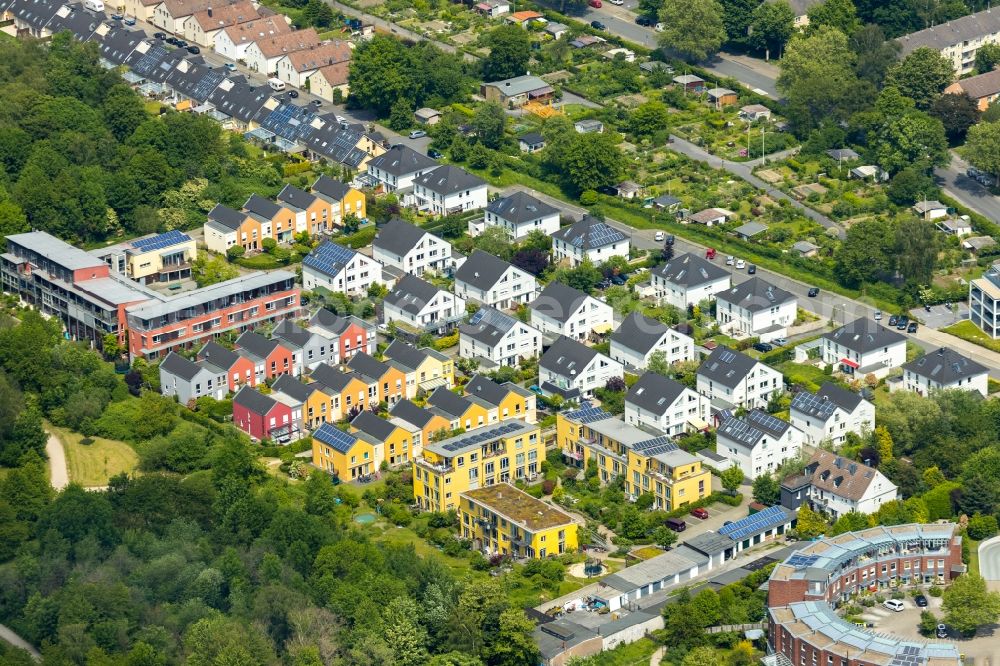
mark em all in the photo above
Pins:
pixel 423 424
pixel 165 257
pixel 389 380
pixel 344 454
pixel 499 453
pixel 503 520
pixel 426 369
pixel 347 390
pixel 648 463
pixel 328 78
pixel 342 200
pixel 462 412
pixel 510 400
pixel 395 442
pixel 317 404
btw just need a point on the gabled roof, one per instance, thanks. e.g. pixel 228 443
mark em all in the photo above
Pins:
pixel 755 295
pixel 406 355
pixel 488 325
pixel 295 198
pixel 293 387
pixel 179 366
pixel 334 324
pixel 639 333
pixel 945 366
pixel 589 234
pixel 689 270
pixel 218 355
pixel 320 55
pixel 449 179
pixel 654 393
pixel 411 294
pixel 254 400
pixel 398 236
pixel 261 207
pixel 216 18
pixel 330 189
pixel 824 404
pixel 864 335
pixel 290 333
pixel 567 357
pixel 335 438
pixel 448 402
pixel 289 42
pixel 333 378
pixel 367 365
pixel 482 270
pixel 963 29
pixel 726 366
pixel 255 344
pixel 752 428
pixel 373 425
pixel 336 74
pixel 401 160
pixel 839 476
pixel 520 207
pixel 981 85
pixel 227 217
pixel 558 301
pixel 485 388
pixel 531 139
pixel 411 413
pixel 261 28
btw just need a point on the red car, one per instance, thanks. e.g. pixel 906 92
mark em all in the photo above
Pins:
pixel 596 4
pixel 700 513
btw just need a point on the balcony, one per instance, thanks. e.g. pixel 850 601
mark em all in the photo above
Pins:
pixel 436 469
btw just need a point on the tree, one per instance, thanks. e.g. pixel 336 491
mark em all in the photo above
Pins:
pixel 766 490
pixel 664 537
pixel 401 115
pixel 864 254
pixel 982 527
pixel 209 269
pixel 658 363
pixel 650 118
pixel 928 623
pixel 968 605
pixel 317 13
pixel 489 122
pixel 510 50
pixel 495 241
pixel 916 250
pixel 586 161
pixel 531 260
pixel 912 138
pixel 957 113
pixel 922 76
pixel 512 644
pixel 883 444
pixel 809 524
pixel 987 58
pixel 982 148
pixel 584 277
pixel 979 495
pixel 910 185
pixel 736 17
pixel 403 632
pixel 702 656
pixel 875 54
pixel 732 478
pixel 839 14
pixel 771 26
pixel 852 521
pixel 693 29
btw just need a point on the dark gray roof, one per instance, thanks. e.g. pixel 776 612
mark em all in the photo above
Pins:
pixel 945 366
pixel 411 413
pixel 226 216
pixel 291 333
pixel 520 207
pixel 255 344
pixel 490 327
pixel 750 429
pixel 482 270
pixel 709 543
pixel 449 179
pixel 332 377
pixel 179 366
pixel 218 355
pixel 367 365
pixel 411 294
pixel 531 138
pixel 487 389
pixel 567 357
pixel 864 335
pixel 402 160
pixel 265 208
pixel 332 322
pixel 558 301
pixel 964 29
pixel 370 423
pixel 407 355
pixel 690 270
pixel 589 234
pixel 639 333
pixel 254 400
pixel 555 638
pixel 726 366
pixel 296 198
pixel 291 386
pixel 330 189
pixel 847 400
pixel 398 236
pixel 448 402
pixel 654 393
pixel 843 154
pixel 755 295
pixel 666 200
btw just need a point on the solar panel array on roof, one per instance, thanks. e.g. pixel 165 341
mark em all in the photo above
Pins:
pixel 655 446
pixel 800 561
pixel 588 415
pixel 813 404
pixel 206 85
pixel 149 60
pixel 766 421
pixel 492 433
pixel 335 437
pixel 329 258
pixel 758 522
pixel 160 241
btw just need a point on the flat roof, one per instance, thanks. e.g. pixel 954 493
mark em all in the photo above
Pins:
pixel 206 294
pixel 519 507
pixel 474 439
pixel 56 250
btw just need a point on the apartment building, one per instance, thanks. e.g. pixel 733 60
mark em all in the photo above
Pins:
pixel 165 257
pixel 984 301
pixel 502 520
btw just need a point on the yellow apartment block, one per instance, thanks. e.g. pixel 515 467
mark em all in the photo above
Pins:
pixel 499 453
pixel 501 519
pixel 649 461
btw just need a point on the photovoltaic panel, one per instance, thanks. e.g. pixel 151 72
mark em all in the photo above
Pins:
pixel 329 258
pixel 802 561
pixel 158 242
pixel 208 83
pixel 335 437
pixel 754 524
pixel 588 415
pixel 807 402
pixel 147 63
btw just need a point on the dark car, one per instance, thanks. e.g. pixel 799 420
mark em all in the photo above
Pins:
pixel 293 93
pixel 317 102
pixel 912 328
pixel 893 320
pixel 618 280
pixel 434 154
pixel 171 40
pixel 181 44
pixel 670 240
pixel 644 21
pixel 920 600
pixel 160 35
pixel 901 323
pixel 194 49
pixel 117 17
pixel 763 346
pixel 751 269
pixel 813 292
pixel 597 25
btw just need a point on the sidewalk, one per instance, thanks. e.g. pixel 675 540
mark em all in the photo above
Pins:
pixel 8 635
pixel 58 473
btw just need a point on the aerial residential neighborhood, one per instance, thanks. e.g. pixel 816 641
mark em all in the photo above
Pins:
pixel 564 334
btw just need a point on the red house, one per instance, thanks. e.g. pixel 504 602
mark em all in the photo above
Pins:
pixel 270 359
pixel 238 369
pixel 354 335
pixel 263 416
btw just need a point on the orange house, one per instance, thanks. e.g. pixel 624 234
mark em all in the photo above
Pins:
pixel 317 404
pixel 390 380
pixel 424 423
pixel 227 227
pixel 342 199
pixel 277 222
pixel 312 213
pixel 347 390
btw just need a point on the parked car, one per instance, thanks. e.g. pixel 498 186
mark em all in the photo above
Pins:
pixel 740 264
pixel 293 93
pixel 942 631
pixel 677 524
pixel 700 513
pixel 813 292
pixel 597 25
pixel 434 154
pixel 160 35
pixel 728 522
pixel 230 66
pixel 171 40
pixel 763 346
pixel 618 280
pixel 117 17
pixel 878 315
pixel 618 2
pixel 596 4
pixel 894 605
pixel 779 342
pixel 670 239
pixel 912 328
pixel 180 43
pixel 902 322
pixel 893 319
pixel 730 260
pixel 195 50
pixel 752 269
pixel 418 134
pixel 129 20
pixel 658 236
pixel 317 102
pixel 920 600
pixel 710 253
pixel 643 21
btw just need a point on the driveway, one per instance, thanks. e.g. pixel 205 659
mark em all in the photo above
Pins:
pixel 58 474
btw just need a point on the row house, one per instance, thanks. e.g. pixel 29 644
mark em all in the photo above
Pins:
pixel 187 380
pixel 276 417
pixel 350 334
pixel 270 358
pixel 262 55
pixel 426 369
pixel 204 26
pixel 297 67
pixel 233 41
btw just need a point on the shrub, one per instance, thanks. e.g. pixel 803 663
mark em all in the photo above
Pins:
pixel 935 591
pixel 548 485
pixel 897 594
pixel 87 441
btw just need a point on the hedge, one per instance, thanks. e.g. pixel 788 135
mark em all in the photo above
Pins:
pixel 731 500
pixel 359 239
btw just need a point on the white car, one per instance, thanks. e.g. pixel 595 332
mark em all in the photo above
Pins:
pixel 618 2
pixel 878 315
pixel 894 605
pixel 658 236
pixel 740 264
pixel 659 27
pixel 729 260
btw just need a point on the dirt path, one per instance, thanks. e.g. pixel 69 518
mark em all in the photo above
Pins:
pixel 8 635
pixel 58 474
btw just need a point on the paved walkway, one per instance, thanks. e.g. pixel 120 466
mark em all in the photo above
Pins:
pixel 7 634
pixel 58 474
pixel 657 657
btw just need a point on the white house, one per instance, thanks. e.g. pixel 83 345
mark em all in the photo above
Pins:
pixel 449 189
pixel 658 402
pixel 591 239
pixel 941 370
pixel 757 443
pixel 264 53
pixel 574 370
pixel 204 26
pixel 688 280
pixel 639 337
pixel 755 308
pixel 397 168
pixel 498 337
pixel 736 380
pixel 835 486
pixel 864 347
pixel 930 210
pixel 520 214
pixel 232 42
pixel 410 249
pixel 188 380
pixel 339 269
pixel 831 414
pixel 489 280
pixel 421 305
pixel 562 310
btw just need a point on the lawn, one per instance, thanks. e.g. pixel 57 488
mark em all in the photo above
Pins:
pixel 808 376
pixel 970 332
pixel 93 464
pixel 647 553
pixel 973 556
pixel 626 654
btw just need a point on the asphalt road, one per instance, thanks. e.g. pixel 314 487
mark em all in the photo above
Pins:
pixel 967 191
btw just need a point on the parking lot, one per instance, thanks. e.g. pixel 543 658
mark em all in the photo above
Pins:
pixel 939 316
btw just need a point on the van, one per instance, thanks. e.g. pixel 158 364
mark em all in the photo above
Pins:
pixel 894 605
pixel 676 524
pixel 94 5
pixel 276 84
